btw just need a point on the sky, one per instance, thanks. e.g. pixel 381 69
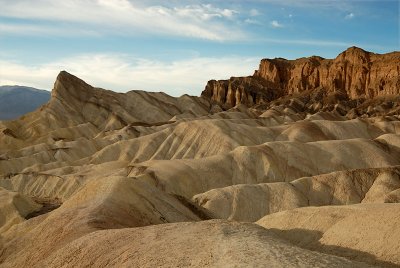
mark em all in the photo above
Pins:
pixel 177 46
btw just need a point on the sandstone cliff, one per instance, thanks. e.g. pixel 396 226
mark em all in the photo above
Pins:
pixel 354 74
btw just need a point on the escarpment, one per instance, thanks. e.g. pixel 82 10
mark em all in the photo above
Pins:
pixel 354 74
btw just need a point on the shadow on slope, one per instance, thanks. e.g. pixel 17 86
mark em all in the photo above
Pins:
pixel 309 239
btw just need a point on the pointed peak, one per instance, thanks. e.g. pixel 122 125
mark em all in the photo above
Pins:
pixel 63 75
pixel 68 85
pixel 67 78
pixel 354 54
pixel 356 50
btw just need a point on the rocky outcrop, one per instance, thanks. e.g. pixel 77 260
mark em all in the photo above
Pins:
pixel 354 73
pixel 247 90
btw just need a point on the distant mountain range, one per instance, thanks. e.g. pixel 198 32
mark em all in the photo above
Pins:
pixel 19 100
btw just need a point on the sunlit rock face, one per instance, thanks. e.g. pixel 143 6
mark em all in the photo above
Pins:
pixel 354 74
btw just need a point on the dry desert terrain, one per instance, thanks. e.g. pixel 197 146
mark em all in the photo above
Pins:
pixel 297 165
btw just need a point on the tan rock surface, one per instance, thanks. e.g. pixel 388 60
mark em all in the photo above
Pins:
pixel 365 232
pixel 14 207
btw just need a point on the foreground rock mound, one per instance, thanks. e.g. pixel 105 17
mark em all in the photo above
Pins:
pixel 205 244
pixel 98 178
pixel 364 232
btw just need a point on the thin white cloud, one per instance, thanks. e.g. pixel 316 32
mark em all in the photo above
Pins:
pixel 276 24
pixel 123 72
pixel 349 16
pixel 252 21
pixel 127 17
pixel 204 12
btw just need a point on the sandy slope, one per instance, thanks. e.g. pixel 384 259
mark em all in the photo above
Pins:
pixel 366 232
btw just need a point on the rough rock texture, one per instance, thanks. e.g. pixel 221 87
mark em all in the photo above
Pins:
pixel 354 74
pixel 246 90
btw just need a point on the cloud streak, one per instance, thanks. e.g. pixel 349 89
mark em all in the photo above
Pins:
pixel 123 72
pixel 125 17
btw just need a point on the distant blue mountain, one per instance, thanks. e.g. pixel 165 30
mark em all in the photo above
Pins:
pixel 19 100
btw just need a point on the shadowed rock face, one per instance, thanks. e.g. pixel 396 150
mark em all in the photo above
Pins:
pixel 354 73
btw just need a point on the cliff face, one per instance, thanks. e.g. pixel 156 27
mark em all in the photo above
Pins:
pixel 247 90
pixel 355 73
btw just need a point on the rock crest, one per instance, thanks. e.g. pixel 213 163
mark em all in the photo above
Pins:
pixel 354 73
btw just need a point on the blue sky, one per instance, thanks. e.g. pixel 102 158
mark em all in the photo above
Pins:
pixel 177 46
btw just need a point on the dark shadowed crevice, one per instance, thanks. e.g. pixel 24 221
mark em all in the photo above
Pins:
pixel 48 205
pixel 198 211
